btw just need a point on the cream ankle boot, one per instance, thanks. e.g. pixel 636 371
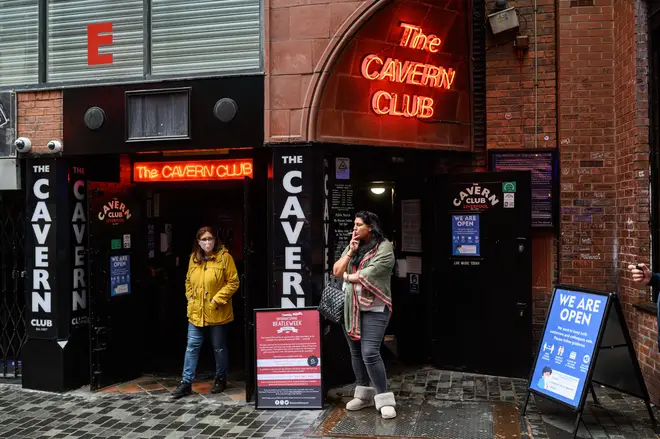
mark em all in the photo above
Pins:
pixel 363 397
pixel 385 404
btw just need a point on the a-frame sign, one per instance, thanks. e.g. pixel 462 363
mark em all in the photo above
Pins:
pixel 585 341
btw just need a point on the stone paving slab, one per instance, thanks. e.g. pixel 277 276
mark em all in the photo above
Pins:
pixel 433 404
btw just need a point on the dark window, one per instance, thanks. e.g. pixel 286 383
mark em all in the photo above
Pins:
pixel 158 115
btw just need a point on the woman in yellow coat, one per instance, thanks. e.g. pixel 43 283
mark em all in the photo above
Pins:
pixel 211 281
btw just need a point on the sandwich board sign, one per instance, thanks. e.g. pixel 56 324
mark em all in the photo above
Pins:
pixel 585 340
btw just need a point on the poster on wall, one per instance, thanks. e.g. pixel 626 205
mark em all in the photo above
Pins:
pixel 568 345
pixel 465 235
pixel 288 354
pixel 120 275
pixel 411 226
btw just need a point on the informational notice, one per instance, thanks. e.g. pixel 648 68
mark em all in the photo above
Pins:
pixel 541 164
pixel 411 226
pixel 288 345
pixel 343 216
pixel 568 345
pixel 120 275
pixel 465 235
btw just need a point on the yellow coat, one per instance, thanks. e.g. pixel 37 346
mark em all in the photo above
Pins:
pixel 214 279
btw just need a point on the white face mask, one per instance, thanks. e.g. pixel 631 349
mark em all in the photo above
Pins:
pixel 207 246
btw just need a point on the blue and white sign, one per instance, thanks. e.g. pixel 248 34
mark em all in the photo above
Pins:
pixel 465 235
pixel 568 345
pixel 120 275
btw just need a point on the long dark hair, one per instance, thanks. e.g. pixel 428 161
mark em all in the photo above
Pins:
pixel 377 236
pixel 197 250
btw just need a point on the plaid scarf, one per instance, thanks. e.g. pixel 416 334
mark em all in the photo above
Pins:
pixel 374 273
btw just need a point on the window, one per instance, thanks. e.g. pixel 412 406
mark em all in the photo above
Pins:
pixel 19 42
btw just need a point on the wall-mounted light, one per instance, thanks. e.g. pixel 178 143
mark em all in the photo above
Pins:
pixel 503 20
pixel 378 190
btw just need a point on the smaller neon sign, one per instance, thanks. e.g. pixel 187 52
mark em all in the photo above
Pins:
pixel 201 170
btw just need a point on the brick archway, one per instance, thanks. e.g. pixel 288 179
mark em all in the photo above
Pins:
pixel 422 92
pixel 330 56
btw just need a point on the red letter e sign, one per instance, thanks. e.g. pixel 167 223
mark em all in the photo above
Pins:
pixel 95 40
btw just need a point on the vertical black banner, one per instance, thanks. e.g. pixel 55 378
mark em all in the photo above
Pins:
pixel 292 237
pixel 41 251
pixel 78 243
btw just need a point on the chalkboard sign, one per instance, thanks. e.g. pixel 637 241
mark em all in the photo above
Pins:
pixel 585 340
pixel 544 166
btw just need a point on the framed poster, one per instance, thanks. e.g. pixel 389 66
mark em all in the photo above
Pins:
pixel 288 358
pixel 544 165
pixel 465 235
pixel 120 275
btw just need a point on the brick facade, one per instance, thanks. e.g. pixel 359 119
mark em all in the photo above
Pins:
pixel 40 118
pixel 594 109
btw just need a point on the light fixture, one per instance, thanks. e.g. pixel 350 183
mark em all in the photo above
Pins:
pixel 378 190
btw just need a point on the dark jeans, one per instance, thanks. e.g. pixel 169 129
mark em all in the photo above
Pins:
pixel 365 353
pixel 218 335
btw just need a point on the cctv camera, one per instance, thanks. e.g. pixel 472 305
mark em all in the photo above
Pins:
pixel 55 146
pixel 23 144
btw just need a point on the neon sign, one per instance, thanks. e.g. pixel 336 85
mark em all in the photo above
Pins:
pixel 374 68
pixel 192 171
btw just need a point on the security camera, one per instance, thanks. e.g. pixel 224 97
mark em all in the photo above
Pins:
pixel 55 146
pixel 23 144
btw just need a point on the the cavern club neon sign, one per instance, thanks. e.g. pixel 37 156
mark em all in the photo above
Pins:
pixel 375 68
pixel 192 171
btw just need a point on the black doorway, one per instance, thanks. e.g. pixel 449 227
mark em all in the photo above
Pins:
pixel 173 216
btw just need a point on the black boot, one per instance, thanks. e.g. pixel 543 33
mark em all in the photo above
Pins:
pixel 219 386
pixel 184 389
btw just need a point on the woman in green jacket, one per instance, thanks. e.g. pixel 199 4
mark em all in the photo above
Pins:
pixel 366 267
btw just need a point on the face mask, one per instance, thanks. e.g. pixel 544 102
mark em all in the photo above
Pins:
pixel 207 246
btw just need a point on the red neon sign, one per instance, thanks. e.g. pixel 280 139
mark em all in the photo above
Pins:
pixel 204 170
pixel 374 68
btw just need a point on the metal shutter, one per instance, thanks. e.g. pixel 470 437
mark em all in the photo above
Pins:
pixel 205 36
pixel 67 39
pixel 19 42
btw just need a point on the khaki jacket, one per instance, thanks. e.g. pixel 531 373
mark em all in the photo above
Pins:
pixel 214 279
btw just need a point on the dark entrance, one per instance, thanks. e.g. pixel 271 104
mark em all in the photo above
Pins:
pixel 150 322
pixel 480 313
pixel 12 282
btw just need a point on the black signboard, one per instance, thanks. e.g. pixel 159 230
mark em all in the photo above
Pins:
pixel 585 340
pixel 288 357
pixel 343 215
pixel 544 166
pixel 78 241
pixel 292 235
pixel 7 122
pixel 41 249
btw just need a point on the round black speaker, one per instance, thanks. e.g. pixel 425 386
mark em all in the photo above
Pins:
pixel 94 118
pixel 225 109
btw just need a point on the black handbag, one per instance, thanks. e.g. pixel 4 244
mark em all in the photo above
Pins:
pixel 331 305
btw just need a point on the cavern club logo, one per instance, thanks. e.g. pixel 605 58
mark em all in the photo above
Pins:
pixel 114 212
pixel 475 197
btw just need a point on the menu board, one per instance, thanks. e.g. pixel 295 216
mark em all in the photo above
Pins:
pixel 343 216
pixel 543 166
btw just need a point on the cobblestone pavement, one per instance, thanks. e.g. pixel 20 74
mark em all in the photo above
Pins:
pixel 433 404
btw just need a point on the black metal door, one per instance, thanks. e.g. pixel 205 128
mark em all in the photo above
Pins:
pixel 116 308
pixel 12 282
pixel 481 302
pixel 246 292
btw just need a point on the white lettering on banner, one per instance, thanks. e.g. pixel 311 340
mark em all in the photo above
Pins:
pixel 326 225
pixel 475 197
pixel 293 295
pixel 40 221
pixel 79 223
pixel 580 314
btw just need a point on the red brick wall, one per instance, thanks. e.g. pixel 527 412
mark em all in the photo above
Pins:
pixel 587 145
pixel 40 118
pixel 632 161
pixel 513 108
